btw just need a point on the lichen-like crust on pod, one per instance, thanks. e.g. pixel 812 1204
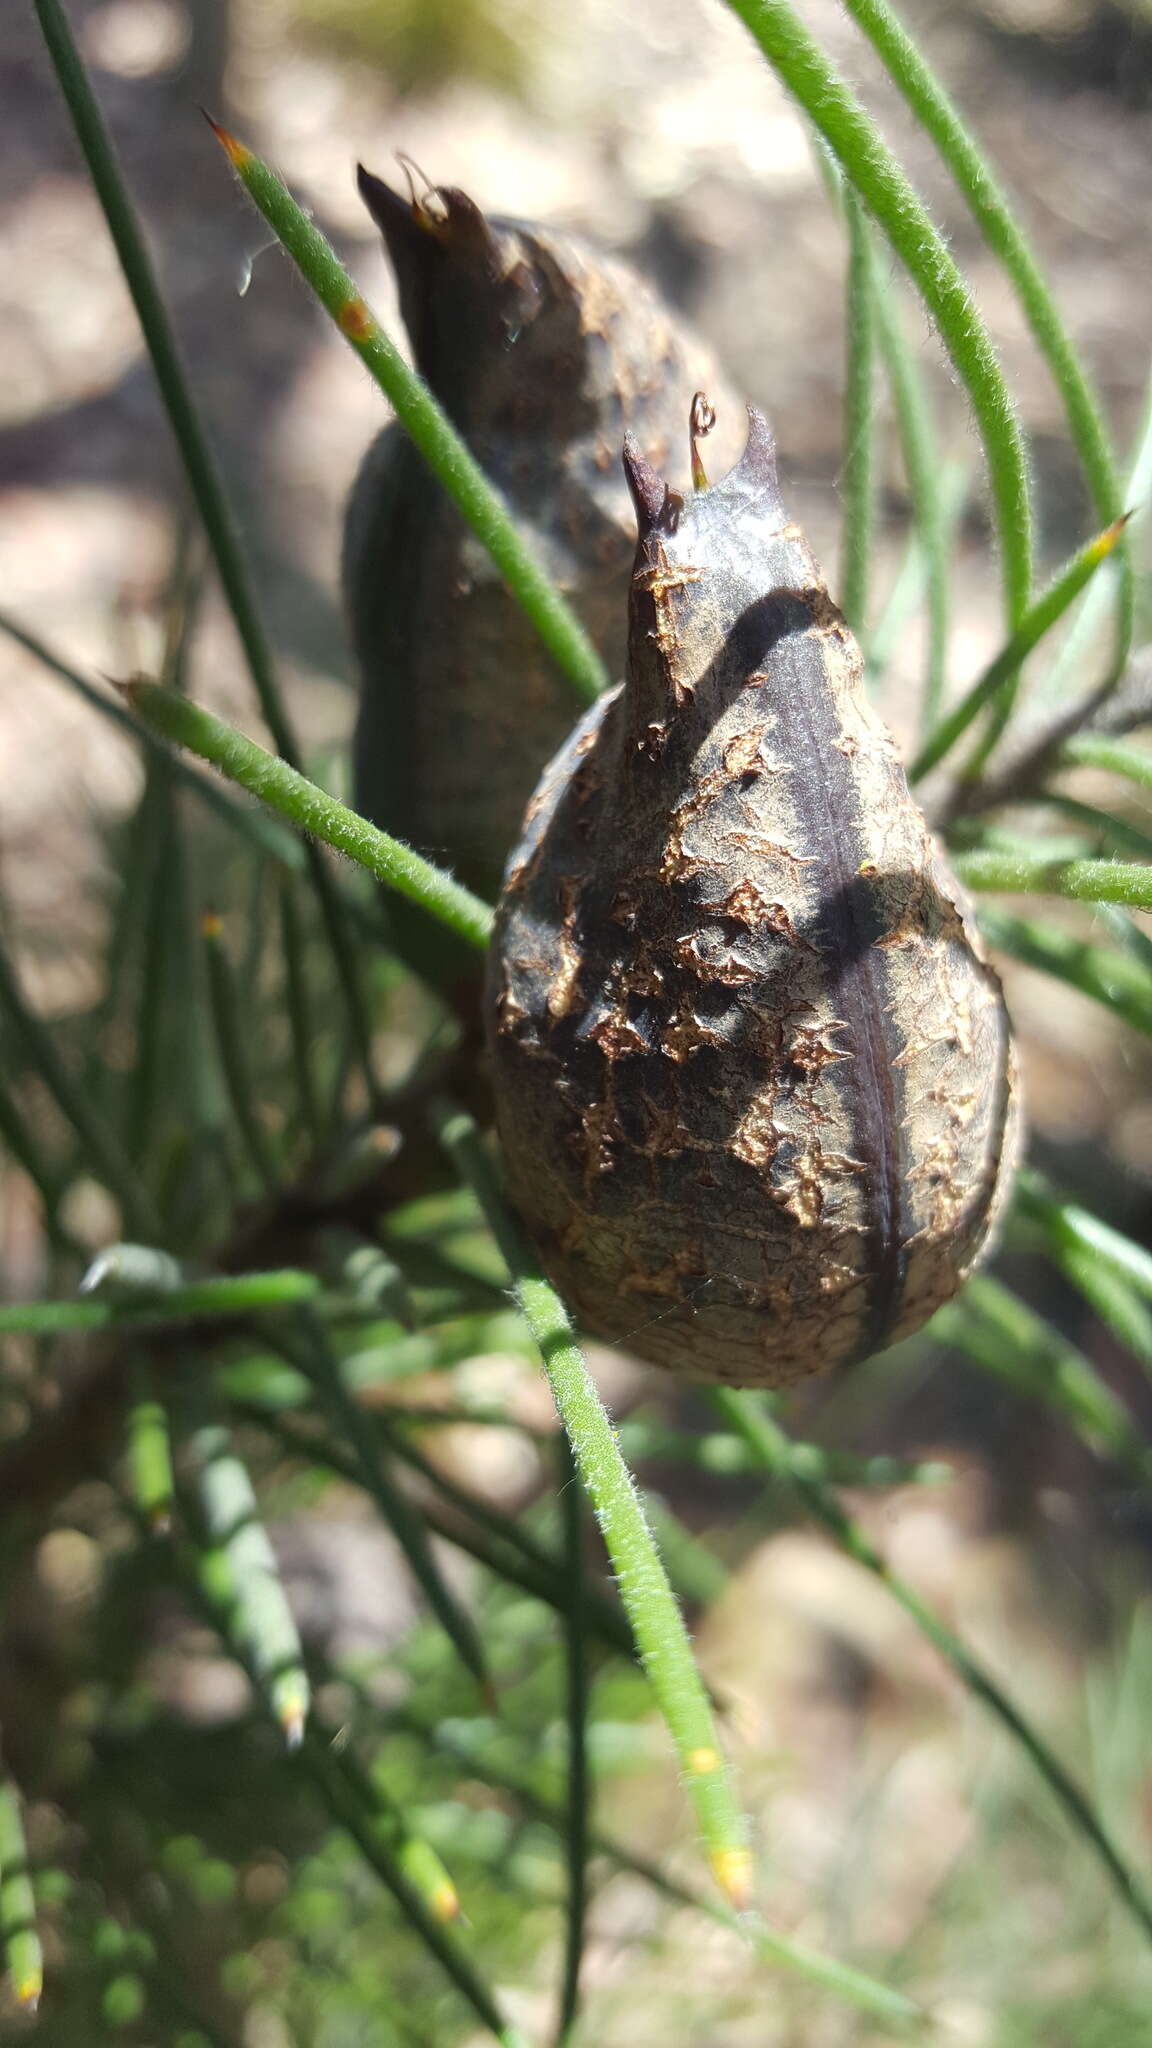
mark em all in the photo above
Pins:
pixel 542 351
pixel 753 1072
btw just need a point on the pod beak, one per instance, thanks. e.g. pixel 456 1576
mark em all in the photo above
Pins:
pixel 438 245
pixel 658 509
pixel 756 469
pixel 397 218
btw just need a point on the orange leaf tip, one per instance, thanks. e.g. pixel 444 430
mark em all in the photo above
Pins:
pixel 237 153
pixel 1106 541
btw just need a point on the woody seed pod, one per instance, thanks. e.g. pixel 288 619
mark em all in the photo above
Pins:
pixel 753 1071
pixel 542 351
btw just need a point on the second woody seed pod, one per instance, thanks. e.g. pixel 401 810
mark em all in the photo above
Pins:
pixel 542 351
pixel 752 1068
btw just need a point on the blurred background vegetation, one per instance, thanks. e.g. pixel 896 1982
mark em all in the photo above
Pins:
pixel 192 1881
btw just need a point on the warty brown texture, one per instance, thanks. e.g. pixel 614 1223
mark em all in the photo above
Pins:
pixel 542 351
pixel 753 1071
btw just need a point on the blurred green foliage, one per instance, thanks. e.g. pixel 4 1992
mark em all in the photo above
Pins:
pixel 222 1442
pixel 423 45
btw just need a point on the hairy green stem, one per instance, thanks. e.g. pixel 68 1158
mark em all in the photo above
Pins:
pixel 423 419
pixel 504 1553
pixel 869 165
pixel 260 831
pixel 1085 881
pixel 998 684
pixel 284 789
pixel 913 76
pixel 839 1978
pixel 658 1626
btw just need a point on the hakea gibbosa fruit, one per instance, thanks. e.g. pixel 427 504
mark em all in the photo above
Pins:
pixel 542 351
pixel 753 1072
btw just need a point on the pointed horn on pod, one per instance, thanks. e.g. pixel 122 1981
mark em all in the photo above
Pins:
pixel 658 509
pixel 397 218
pixel 756 469
pixel 411 225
